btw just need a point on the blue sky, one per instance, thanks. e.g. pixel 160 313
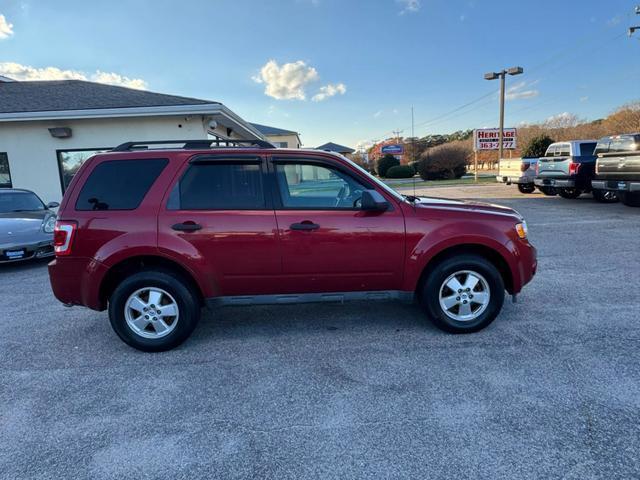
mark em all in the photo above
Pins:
pixel 340 70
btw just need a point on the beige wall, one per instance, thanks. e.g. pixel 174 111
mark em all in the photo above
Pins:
pixel 32 150
pixel 292 140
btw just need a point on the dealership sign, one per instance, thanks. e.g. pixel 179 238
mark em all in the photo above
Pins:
pixel 393 149
pixel 488 138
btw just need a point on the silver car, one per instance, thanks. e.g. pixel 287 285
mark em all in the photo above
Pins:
pixel 26 226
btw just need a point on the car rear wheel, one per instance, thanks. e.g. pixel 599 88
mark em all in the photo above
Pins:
pixel 570 193
pixel 630 199
pixel 526 187
pixel 549 191
pixel 605 196
pixel 463 294
pixel 153 310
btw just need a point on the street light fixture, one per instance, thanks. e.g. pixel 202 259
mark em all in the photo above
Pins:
pixel 501 75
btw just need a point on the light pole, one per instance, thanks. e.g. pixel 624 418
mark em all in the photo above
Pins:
pixel 501 75
pixel 633 29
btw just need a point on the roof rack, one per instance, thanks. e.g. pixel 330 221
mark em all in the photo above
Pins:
pixel 192 144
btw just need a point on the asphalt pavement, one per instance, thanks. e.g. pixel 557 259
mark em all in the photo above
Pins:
pixel 365 390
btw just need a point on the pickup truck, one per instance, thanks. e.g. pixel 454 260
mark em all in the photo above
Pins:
pixel 520 171
pixel 567 169
pixel 618 168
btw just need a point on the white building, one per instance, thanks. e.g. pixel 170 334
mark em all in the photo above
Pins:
pixel 47 129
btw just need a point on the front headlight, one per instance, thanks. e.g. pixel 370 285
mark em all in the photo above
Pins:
pixel 49 224
pixel 522 229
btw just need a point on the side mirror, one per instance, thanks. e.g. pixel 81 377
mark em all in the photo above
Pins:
pixel 373 201
pixel 53 205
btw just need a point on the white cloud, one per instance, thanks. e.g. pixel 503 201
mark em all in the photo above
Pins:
pixel 117 79
pixel 521 91
pixel 584 99
pixel 20 72
pixel 409 6
pixel 286 82
pixel 378 114
pixel 6 28
pixel 329 91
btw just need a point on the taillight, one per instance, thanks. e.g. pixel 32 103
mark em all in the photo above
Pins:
pixel 573 168
pixel 538 168
pixel 63 234
pixel 524 166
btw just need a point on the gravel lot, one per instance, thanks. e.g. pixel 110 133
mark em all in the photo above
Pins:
pixel 550 390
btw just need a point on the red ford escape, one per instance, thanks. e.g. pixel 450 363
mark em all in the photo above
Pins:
pixel 154 234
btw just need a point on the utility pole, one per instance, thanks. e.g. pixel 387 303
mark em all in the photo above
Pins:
pixel 501 75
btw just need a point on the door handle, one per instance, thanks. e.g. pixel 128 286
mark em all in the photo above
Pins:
pixel 187 226
pixel 305 226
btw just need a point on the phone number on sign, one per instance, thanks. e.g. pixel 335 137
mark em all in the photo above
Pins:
pixel 494 145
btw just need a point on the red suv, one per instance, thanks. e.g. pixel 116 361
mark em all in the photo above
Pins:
pixel 154 234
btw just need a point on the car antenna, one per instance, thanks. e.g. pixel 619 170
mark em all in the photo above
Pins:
pixel 413 155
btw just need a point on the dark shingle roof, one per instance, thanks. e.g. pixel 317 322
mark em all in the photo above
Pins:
pixel 334 147
pixel 266 130
pixel 48 96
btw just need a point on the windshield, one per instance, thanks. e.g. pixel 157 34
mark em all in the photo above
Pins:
pixel 377 181
pixel 20 202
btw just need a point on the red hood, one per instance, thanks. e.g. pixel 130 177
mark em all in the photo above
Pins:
pixel 464 205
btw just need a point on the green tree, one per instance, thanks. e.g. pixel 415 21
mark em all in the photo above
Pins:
pixel 537 146
pixel 385 163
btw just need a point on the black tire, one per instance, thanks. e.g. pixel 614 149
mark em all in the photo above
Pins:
pixel 187 301
pixel 630 199
pixel 434 282
pixel 605 196
pixel 569 193
pixel 548 191
pixel 526 187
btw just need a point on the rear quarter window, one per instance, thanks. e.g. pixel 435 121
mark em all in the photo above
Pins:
pixel 119 184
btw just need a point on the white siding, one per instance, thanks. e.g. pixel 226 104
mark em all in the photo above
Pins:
pixel 32 150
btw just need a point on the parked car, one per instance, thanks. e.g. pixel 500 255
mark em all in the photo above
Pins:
pixel 567 169
pixel 26 226
pixel 153 235
pixel 618 168
pixel 520 171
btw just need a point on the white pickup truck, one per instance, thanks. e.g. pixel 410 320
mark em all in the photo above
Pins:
pixel 520 171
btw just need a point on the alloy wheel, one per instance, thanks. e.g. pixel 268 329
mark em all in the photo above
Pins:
pixel 464 295
pixel 151 312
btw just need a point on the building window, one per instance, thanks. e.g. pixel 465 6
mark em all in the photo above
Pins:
pixel 70 161
pixel 5 175
pixel 281 144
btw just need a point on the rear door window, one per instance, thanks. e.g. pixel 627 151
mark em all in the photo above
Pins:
pixel 119 184
pixel 220 185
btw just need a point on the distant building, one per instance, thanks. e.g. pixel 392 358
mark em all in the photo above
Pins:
pixel 279 137
pixel 49 128
pixel 334 147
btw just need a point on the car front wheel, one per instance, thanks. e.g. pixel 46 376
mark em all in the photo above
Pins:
pixel 153 311
pixel 463 294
